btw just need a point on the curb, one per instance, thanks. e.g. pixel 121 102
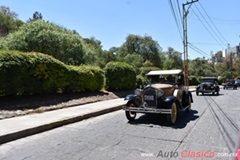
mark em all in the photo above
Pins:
pixel 45 127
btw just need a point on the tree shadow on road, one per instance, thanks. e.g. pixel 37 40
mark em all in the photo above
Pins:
pixel 161 120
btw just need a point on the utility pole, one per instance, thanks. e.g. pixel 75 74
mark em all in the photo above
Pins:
pixel 185 42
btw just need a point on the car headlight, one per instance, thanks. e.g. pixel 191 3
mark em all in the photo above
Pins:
pixel 137 92
pixel 159 92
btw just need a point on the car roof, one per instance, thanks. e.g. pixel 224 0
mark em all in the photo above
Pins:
pixel 164 72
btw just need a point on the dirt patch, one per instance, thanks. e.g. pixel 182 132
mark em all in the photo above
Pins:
pixel 13 106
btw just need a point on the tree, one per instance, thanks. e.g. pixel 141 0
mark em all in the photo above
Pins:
pixel 144 46
pixel 36 16
pixel 201 67
pixel 173 59
pixel 8 21
pixel 45 37
pixel 93 51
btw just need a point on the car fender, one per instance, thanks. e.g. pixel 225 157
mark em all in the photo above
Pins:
pixel 129 97
pixel 186 95
pixel 168 101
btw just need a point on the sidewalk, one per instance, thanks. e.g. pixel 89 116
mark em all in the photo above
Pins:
pixel 23 126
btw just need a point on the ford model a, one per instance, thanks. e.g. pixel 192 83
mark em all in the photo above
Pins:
pixel 165 94
pixel 208 85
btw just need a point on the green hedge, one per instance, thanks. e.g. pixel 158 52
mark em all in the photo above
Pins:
pixel 193 80
pixel 31 73
pixel 83 78
pixel 119 75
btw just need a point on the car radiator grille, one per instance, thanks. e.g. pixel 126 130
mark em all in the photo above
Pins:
pixel 150 97
pixel 205 87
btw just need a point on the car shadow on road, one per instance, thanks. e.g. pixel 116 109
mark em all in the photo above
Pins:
pixel 161 120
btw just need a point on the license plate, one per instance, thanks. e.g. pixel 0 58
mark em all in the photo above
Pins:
pixel 149 97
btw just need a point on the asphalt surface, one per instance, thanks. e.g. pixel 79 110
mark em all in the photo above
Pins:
pixel 23 126
pixel 210 130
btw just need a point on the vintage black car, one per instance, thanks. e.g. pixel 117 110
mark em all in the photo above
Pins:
pixel 237 82
pixel 208 85
pixel 165 94
pixel 230 83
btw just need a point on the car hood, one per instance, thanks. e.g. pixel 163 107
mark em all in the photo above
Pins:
pixel 206 84
pixel 162 86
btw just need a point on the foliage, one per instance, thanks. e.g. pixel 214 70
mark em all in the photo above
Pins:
pixel 173 59
pixel 141 81
pixel 8 21
pixel 193 80
pixel 31 73
pixel 201 67
pixel 93 54
pixel 120 75
pixel 134 60
pixel 36 16
pixel 226 75
pixel 44 37
pixel 85 78
pixel 144 46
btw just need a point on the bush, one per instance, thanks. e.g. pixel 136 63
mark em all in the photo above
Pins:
pixel 119 75
pixel 221 81
pixel 29 73
pixel 193 80
pixel 32 73
pixel 83 78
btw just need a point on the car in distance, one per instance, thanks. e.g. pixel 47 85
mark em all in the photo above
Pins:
pixel 165 94
pixel 208 85
pixel 237 82
pixel 230 83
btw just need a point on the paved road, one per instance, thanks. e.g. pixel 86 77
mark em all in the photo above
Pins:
pixel 210 129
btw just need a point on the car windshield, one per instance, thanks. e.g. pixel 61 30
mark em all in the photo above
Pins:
pixel 162 78
pixel 207 80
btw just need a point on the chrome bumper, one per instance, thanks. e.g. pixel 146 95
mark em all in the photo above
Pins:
pixel 141 109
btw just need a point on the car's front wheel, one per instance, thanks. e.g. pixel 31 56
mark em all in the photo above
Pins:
pixel 171 118
pixel 130 115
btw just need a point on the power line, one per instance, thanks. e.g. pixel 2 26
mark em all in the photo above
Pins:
pixel 198 50
pixel 175 17
pixel 213 23
pixel 206 43
pixel 206 28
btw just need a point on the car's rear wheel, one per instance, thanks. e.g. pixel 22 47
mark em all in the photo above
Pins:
pixel 197 93
pixel 213 93
pixel 129 114
pixel 189 104
pixel 171 118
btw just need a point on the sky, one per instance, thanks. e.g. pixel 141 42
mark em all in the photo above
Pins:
pixel 212 25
